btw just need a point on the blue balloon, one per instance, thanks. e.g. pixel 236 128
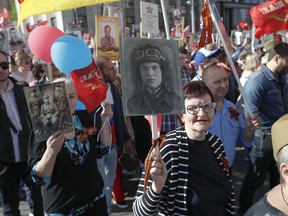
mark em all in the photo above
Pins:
pixel 80 105
pixel 70 53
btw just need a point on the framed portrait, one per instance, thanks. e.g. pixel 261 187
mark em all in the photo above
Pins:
pixel 107 37
pixel 49 110
pixel 151 77
pixel 177 16
pixel 14 37
pixel 4 42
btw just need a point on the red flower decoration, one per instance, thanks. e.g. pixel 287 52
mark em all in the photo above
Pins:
pixel 234 113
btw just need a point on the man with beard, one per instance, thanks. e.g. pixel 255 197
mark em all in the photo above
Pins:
pixel 120 139
pixel 267 96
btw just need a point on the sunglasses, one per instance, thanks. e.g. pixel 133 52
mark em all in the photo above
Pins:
pixel 4 65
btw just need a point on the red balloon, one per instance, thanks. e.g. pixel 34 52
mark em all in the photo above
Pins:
pixel 40 41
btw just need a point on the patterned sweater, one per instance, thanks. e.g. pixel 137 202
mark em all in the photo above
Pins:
pixel 172 201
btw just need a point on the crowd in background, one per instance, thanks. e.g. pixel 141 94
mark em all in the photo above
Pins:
pixel 212 97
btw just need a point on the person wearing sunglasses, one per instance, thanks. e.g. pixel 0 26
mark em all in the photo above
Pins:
pixel 192 163
pixel 154 94
pixel 14 136
pixel 24 63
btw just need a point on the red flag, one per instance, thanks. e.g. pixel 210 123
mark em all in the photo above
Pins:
pixel 244 25
pixel 269 17
pixel 90 86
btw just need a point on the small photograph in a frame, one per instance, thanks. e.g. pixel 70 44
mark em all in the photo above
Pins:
pixel 15 37
pixel 49 110
pixel 107 37
pixel 150 71
pixel 4 42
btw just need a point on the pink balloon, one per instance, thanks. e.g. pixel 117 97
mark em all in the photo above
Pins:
pixel 40 41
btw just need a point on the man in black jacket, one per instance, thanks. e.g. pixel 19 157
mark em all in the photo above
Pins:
pixel 14 136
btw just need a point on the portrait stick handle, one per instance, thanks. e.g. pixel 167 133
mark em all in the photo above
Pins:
pixel 155 133
pixel 50 77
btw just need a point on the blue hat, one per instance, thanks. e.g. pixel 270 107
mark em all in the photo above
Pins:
pixel 203 54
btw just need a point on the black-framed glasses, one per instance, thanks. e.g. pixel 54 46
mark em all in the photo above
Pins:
pixel 207 108
pixel 4 65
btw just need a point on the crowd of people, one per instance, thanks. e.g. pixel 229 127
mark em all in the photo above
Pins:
pixel 191 174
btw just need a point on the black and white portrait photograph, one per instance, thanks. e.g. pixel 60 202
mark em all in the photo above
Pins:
pixel 49 109
pixel 4 42
pixel 15 38
pixel 150 71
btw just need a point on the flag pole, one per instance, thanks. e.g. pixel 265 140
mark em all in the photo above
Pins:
pixel 166 23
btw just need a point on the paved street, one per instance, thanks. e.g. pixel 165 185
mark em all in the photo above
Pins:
pixel 130 184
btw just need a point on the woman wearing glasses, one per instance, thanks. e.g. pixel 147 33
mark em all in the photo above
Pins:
pixel 191 177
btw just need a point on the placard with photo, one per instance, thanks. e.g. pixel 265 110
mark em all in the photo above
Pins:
pixel 4 42
pixel 49 110
pixel 107 37
pixel 151 77
pixel 15 38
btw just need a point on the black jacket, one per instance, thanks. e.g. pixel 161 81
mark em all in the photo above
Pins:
pixel 6 144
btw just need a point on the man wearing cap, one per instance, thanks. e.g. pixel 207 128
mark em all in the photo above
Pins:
pixel 275 202
pixel 270 44
pixel 266 93
pixel 203 58
pixel 155 95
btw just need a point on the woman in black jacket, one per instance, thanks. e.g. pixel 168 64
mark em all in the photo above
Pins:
pixel 66 168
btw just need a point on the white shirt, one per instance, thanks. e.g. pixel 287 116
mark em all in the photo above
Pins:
pixel 13 114
pixel 28 79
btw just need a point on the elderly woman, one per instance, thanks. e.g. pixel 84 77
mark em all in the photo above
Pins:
pixel 191 174
pixel 275 202
pixel 66 168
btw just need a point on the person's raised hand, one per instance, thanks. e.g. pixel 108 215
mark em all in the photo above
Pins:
pixel 55 142
pixel 253 123
pixel 158 173
pixel 106 112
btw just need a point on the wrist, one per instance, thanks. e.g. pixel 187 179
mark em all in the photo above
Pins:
pixel 52 152
pixel 156 189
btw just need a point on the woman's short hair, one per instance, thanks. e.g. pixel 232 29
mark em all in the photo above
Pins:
pixel 195 89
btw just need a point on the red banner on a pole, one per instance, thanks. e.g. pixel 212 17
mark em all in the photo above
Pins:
pixel 269 17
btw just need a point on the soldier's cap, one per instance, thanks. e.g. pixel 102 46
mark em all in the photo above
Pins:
pixel 279 135
pixel 270 44
pixel 149 54
pixel 203 54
